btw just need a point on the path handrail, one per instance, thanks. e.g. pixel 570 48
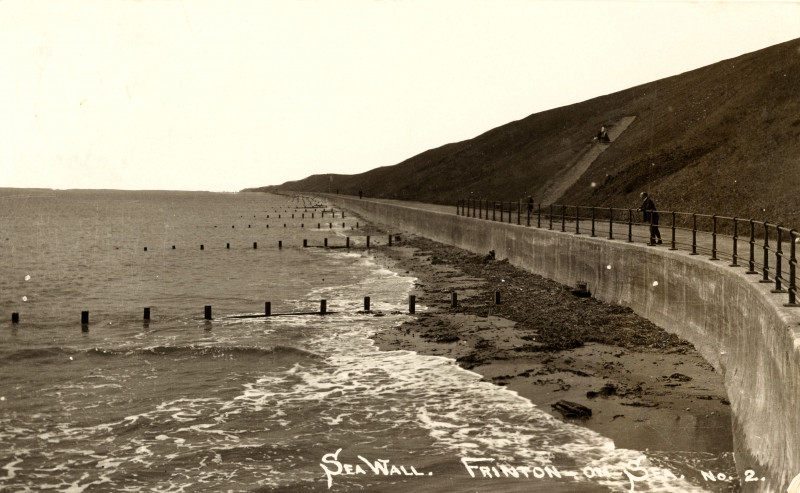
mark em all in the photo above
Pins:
pixel 721 235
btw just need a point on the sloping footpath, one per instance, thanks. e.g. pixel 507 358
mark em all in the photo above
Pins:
pixel 556 188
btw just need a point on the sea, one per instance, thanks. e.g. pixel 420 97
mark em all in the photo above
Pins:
pixel 238 401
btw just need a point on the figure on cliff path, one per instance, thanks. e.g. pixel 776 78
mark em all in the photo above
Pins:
pixel 602 135
pixel 649 215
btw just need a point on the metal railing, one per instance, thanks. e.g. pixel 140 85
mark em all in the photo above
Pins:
pixel 720 237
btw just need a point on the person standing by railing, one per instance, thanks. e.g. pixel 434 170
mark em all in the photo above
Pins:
pixel 650 215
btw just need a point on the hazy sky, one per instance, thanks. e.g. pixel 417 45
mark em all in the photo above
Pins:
pixel 223 95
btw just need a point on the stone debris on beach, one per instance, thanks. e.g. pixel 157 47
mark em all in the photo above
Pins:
pixel 608 389
pixel 572 410
pixel 557 349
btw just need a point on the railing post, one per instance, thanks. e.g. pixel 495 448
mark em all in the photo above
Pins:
pixel 509 212
pixel 752 261
pixel 672 247
pixel 694 234
pixel 735 243
pixel 529 217
pixel 577 220
pixel 494 211
pixel 610 223
pixel 519 212
pixel 563 218
pixel 778 258
pixel 765 279
pixel 630 226
pixel 502 206
pixel 593 217
pixel 652 240
pixel 792 268
pixel 714 238
pixel 539 216
pixel 551 216
pixel 480 208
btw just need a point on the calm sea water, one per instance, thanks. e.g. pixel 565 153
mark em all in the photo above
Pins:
pixel 286 403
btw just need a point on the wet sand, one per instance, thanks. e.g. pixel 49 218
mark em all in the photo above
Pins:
pixel 645 388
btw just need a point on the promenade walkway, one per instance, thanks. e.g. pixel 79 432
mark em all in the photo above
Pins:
pixel 764 262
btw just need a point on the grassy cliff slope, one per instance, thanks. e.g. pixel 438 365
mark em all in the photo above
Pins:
pixel 722 139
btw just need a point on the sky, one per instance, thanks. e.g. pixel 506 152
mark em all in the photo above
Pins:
pixel 220 96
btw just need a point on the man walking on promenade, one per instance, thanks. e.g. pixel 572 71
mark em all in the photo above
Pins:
pixel 650 215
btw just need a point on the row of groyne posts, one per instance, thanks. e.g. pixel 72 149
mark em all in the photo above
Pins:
pixel 306 244
pixel 323 310
pixel 332 213
pixel 15 316
pixel 15 319
pixel 756 235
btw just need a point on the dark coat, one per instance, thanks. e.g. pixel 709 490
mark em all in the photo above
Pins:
pixel 649 210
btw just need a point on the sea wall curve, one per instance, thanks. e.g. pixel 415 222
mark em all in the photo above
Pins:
pixel 736 323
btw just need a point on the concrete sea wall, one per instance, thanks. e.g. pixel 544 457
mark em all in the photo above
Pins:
pixel 741 328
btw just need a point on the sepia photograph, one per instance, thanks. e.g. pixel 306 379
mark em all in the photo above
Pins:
pixel 399 246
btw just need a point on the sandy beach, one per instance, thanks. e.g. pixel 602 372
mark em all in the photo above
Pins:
pixel 644 388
